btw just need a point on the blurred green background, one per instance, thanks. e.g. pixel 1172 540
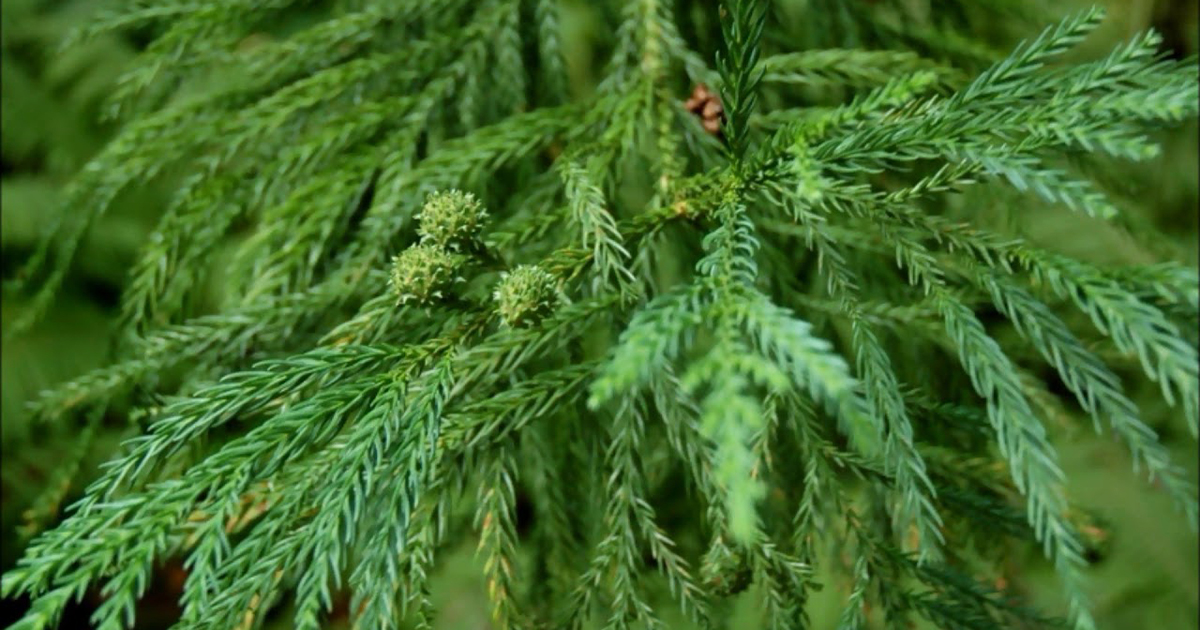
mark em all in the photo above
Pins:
pixel 1146 576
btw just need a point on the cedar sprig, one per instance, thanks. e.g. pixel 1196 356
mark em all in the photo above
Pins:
pixel 707 373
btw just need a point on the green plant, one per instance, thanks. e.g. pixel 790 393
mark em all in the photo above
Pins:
pixel 49 127
pixel 823 388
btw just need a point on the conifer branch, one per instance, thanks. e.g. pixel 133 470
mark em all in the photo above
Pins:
pixel 710 354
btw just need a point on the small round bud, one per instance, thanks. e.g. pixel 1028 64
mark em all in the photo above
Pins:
pixel 451 219
pixel 421 272
pixel 525 296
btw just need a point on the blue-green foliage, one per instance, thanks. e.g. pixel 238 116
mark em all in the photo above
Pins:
pixel 780 325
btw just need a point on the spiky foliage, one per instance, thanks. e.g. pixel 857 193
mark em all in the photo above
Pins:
pixel 822 385
pixel 49 126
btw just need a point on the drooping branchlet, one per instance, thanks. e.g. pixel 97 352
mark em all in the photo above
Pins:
pixel 736 380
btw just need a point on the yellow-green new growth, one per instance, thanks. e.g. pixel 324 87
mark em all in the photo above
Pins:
pixel 525 296
pixel 421 272
pixel 451 219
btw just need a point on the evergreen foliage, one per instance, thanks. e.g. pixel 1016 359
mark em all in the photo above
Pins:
pixel 709 362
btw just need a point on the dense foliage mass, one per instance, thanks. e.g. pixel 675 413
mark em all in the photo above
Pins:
pixel 711 345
